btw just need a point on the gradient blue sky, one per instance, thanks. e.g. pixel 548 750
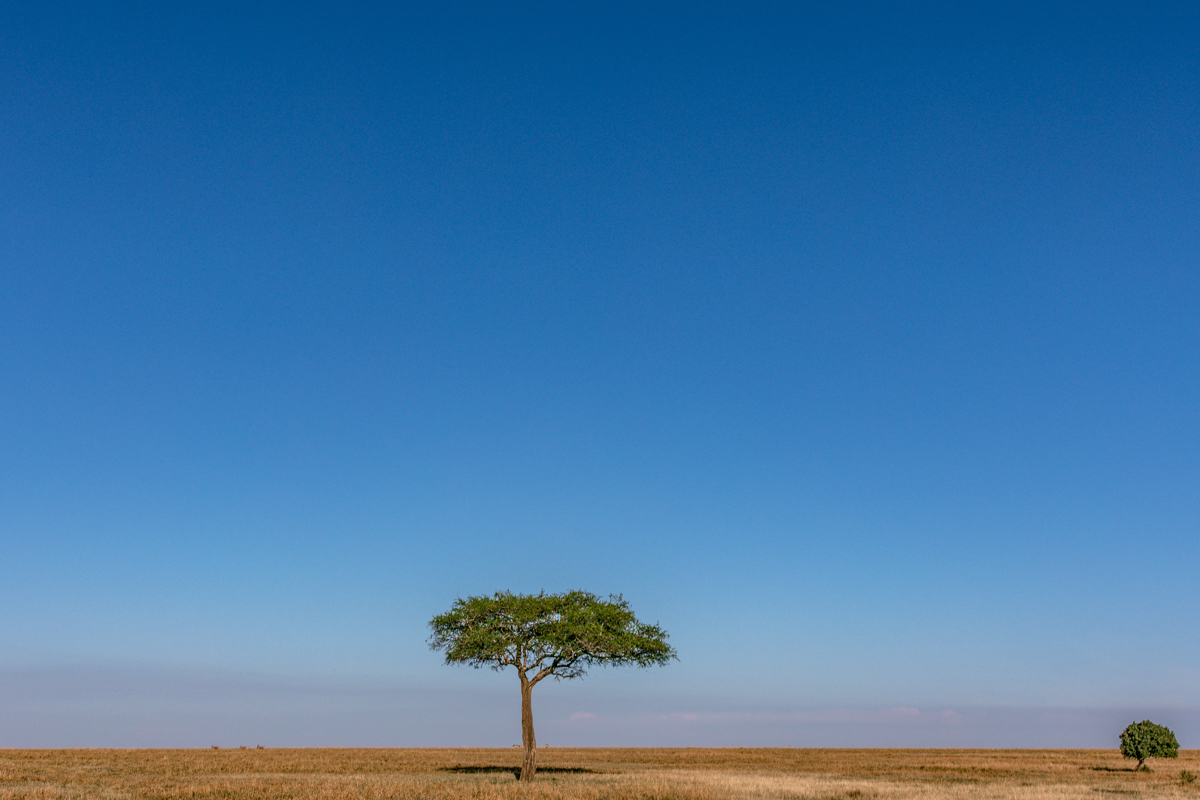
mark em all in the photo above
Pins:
pixel 858 345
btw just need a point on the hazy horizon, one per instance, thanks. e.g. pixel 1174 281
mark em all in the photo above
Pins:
pixel 156 706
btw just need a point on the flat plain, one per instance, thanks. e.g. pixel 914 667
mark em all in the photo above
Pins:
pixel 590 774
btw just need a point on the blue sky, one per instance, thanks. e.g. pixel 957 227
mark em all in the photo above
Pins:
pixel 856 346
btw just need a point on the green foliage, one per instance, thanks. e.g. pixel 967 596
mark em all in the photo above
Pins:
pixel 1186 778
pixel 558 635
pixel 1144 739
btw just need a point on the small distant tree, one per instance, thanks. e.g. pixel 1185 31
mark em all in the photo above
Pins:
pixel 545 635
pixel 1144 739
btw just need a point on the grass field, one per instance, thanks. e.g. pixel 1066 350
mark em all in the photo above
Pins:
pixel 590 774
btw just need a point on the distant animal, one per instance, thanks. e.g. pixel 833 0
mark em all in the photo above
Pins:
pixel 260 747
pixel 215 747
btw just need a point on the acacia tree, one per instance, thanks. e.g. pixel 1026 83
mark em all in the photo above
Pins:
pixel 1142 740
pixel 545 635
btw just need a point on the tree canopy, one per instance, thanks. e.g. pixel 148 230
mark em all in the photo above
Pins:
pixel 558 635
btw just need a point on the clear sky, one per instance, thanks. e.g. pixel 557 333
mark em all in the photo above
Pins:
pixel 858 345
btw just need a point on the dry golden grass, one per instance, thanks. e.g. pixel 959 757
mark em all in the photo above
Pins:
pixel 589 774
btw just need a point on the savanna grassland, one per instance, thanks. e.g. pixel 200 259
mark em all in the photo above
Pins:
pixel 589 774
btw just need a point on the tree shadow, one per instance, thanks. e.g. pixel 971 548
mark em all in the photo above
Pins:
pixel 516 771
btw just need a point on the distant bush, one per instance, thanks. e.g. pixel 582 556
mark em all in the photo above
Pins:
pixel 1186 777
pixel 1144 739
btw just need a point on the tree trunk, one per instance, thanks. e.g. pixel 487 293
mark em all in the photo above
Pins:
pixel 527 738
